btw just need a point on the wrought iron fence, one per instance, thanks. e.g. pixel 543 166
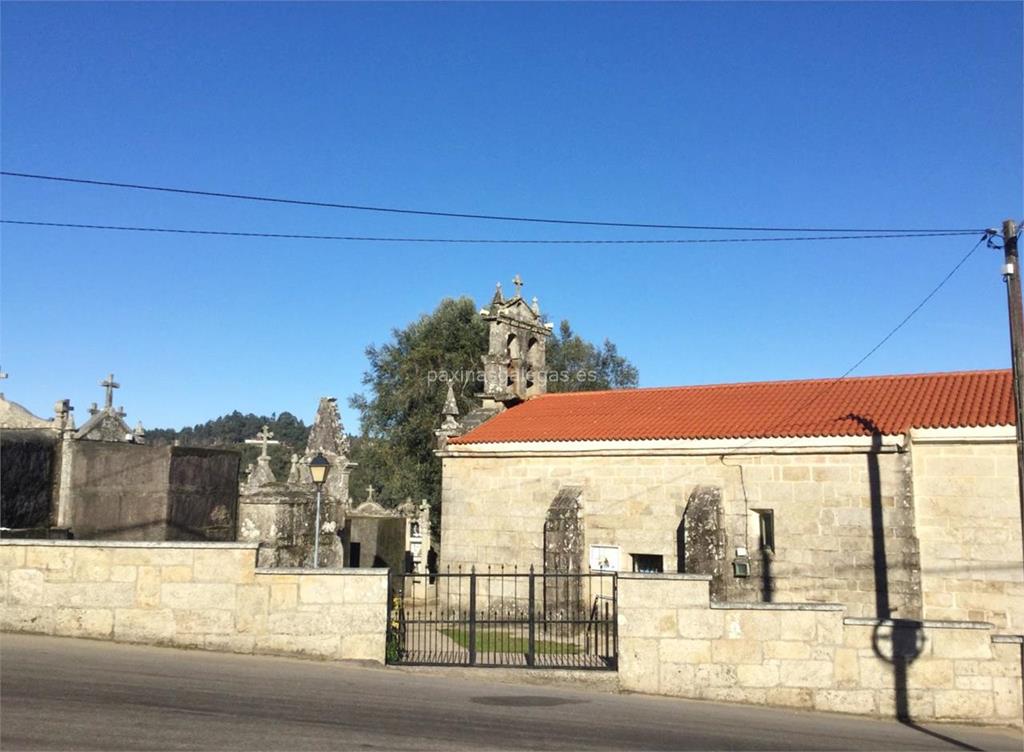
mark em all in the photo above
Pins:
pixel 504 617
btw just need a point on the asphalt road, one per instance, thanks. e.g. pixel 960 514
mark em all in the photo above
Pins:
pixel 77 694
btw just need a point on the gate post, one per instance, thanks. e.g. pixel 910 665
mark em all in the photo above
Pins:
pixel 472 616
pixel 615 620
pixel 531 650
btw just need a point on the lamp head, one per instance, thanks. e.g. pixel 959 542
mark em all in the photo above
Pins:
pixel 318 467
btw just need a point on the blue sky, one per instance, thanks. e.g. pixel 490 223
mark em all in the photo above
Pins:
pixel 851 114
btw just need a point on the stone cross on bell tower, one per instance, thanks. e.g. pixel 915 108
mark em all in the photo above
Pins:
pixel 110 385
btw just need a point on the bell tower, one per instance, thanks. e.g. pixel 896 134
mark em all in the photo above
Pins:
pixel 515 365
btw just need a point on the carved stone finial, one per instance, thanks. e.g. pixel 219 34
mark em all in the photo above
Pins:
pixel 369 493
pixel 264 439
pixel 327 435
pixel 93 409
pixel 293 471
pixel 63 418
pixel 450 425
pixel 535 306
pixel 262 474
pixel 110 385
pixel 451 407
pixel 518 282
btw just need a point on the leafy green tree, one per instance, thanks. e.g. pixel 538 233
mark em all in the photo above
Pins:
pixel 406 391
pixel 587 366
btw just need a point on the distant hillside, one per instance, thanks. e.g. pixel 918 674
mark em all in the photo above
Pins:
pixel 232 430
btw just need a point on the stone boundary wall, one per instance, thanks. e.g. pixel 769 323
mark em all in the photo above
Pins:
pixel 209 596
pixel 672 641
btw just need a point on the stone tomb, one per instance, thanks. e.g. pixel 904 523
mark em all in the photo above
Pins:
pixel 281 515
pixel 101 481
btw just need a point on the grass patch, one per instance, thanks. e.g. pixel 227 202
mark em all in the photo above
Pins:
pixel 490 641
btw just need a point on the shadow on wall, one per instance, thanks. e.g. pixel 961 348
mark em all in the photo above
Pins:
pixel 898 642
pixel 767 582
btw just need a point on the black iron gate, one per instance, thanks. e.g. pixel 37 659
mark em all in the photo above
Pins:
pixel 504 618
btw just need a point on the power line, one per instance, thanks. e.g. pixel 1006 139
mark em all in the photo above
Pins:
pixel 464 215
pixel 916 308
pixel 493 241
pixel 826 388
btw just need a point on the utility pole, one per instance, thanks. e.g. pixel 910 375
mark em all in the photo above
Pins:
pixel 1011 274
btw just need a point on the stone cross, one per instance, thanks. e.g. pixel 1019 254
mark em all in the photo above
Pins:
pixel 3 375
pixel 518 282
pixel 110 385
pixel 263 437
pixel 369 493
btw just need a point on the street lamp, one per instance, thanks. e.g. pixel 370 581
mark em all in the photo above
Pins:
pixel 318 467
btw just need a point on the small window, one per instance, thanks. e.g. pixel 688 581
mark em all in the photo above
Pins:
pixel 649 563
pixel 765 529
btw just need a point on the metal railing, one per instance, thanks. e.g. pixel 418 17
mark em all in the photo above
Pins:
pixel 504 617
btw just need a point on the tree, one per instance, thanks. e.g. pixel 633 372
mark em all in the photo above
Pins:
pixel 587 367
pixel 406 390
pixel 406 382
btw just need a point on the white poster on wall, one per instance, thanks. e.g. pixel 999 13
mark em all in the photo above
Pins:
pixel 605 558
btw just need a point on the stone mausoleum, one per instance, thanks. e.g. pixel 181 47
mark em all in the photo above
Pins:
pixel 896 496
pixel 102 481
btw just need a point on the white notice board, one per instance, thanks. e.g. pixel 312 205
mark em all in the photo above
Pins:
pixel 605 558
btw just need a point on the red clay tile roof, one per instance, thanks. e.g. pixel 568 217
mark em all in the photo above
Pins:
pixel 820 407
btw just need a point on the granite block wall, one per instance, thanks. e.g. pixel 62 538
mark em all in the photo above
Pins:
pixel 812 656
pixel 208 596
pixel 826 510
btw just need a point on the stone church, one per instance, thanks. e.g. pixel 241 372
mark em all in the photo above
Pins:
pixel 896 496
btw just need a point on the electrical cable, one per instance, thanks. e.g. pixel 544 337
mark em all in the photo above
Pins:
pixel 457 215
pixel 832 383
pixel 503 241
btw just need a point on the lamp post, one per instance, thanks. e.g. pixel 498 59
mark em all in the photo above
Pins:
pixel 318 467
